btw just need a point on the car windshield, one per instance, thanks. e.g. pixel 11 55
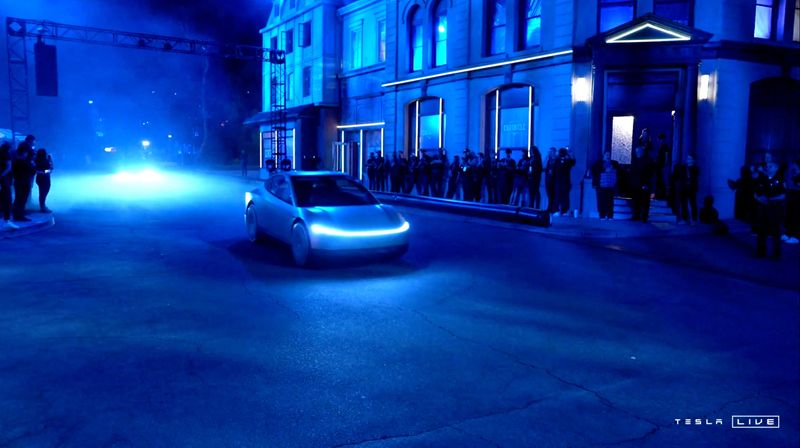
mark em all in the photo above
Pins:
pixel 329 191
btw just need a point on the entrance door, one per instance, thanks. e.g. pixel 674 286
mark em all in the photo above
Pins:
pixel 346 158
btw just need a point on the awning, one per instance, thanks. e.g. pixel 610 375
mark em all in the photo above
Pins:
pixel 265 117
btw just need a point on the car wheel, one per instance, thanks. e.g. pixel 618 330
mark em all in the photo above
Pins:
pixel 301 245
pixel 254 233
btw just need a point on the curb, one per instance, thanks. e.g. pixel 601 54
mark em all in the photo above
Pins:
pixel 29 229
pixel 505 213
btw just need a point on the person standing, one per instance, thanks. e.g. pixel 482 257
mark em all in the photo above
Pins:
pixel 562 172
pixel 770 199
pixel 793 203
pixel 5 185
pixel 23 171
pixel 641 184
pixel 535 178
pixel 372 180
pixel 380 172
pixel 453 181
pixel 44 167
pixel 437 175
pixel 550 180
pixel 604 181
pixel 686 185
pixel 519 196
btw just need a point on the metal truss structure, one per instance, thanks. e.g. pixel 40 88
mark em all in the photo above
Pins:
pixel 18 30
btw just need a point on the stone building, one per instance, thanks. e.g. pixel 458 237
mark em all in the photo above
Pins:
pixel 719 78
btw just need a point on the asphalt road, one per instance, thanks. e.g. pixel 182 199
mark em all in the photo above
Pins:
pixel 145 318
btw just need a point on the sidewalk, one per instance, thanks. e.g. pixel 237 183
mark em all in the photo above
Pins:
pixel 538 221
pixel 38 222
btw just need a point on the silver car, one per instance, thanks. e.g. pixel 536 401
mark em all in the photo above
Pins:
pixel 322 213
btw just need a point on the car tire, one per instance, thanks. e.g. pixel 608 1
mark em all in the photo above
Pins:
pixel 301 245
pixel 254 232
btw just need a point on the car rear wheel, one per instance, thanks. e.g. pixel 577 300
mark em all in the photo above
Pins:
pixel 254 233
pixel 301 245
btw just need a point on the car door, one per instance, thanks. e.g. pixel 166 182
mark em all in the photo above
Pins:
pixel 280 213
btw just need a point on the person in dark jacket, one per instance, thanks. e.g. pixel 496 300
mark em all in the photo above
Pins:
pixel 549 179
pixel 23 169
pixel 437 169
pixel 372 178
pixel 44 166
pixel 455 178
pixel 519 196
pixel 562 172
pixel 744 186
pixel 380 172
pixel 641 184
pixel 535 178
pixel 686 180
pixel 770 198
pixel 604 181
pixel 5 186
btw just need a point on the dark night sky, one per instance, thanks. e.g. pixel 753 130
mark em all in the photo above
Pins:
pixel 129 87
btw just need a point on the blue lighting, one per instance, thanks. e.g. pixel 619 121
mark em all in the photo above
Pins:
pixel 442 29
pixel 330 231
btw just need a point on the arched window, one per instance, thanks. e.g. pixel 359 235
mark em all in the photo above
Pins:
pixel 496 14
pixel 415 39
pixel 426 122
pixel 440 34
pixel 511 107
pixel 531 23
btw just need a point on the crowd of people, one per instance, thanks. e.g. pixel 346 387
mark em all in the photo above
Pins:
pixel 19 169
pixel 474 177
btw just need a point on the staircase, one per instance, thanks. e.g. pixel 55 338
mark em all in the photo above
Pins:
pixel 659 210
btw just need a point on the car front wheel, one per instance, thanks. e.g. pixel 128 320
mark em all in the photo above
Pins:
pixel 301 245
pixel 254 233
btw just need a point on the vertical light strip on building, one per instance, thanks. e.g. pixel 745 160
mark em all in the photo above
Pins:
pixel 341 150
pixel 294 149
pixel 260 150
pixel 530 119
pixel 496 122
pixel 360 154
pixel 441 123
pixel 416 131
pixel 381 141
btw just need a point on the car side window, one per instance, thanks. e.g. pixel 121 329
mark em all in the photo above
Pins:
pixel 280 188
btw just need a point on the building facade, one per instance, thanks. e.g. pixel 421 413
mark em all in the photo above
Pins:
pixel 719 78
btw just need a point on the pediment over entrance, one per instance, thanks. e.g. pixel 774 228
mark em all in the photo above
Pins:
pixel 650 29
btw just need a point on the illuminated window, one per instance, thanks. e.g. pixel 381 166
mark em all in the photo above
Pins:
pixel 512 107
pixel 497 23
pixel 676 10
pixel 531 23
pixel 440 33
pixel 764 17
pixel 289 40
pixel 613 13
pixel 796 35
pixel 426 125
pixel 381 40
pixel 415 39
pixel 290 86
pixel 355 47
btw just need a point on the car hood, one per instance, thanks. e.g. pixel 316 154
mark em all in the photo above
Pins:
pixel 355 217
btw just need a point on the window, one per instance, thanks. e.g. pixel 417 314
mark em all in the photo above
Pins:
pixel 279 187
pixel 531 23
pixel 355 47
pixel 306 81
pixel 497 22
pixel 415 39
pixel 440 34
pixel 273 43
pixel 305 39
pixel 381 41
pixel 676 10
pixel 290 86
pixel 330 191
pixel 796 35
pixel 613 13
pixel 289 36
pixel 426 120
pixel 512 107
pixel 763 25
